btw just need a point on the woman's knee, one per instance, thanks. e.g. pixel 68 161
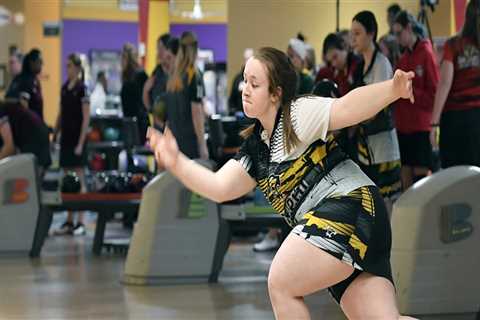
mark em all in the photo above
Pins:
pixel 277 284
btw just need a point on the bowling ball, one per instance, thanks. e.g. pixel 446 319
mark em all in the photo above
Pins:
pixel 138 164
pixel 137 181
pixel 111 134
pixel 94 135
pixel 98 161
pixel 71 183
pixel 326 88
pixel 99 181
pixel 113 183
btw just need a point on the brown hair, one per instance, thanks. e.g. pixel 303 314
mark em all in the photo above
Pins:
pixel 471 28
pixel 77 62
pixel 281 74
pixel 130 53
pixel 184 61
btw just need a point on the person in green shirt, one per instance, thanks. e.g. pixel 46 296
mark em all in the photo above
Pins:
pixel 297 52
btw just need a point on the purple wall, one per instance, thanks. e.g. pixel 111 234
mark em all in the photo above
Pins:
pixel 210 36
pixel 83 35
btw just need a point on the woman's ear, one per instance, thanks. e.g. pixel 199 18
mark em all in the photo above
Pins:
pixel 276 96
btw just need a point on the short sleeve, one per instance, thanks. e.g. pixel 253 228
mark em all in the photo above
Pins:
pixel 196 88
pixel 448 51
pixel 383 70
pixel 83 94
pixel 311 117
pixel 244 157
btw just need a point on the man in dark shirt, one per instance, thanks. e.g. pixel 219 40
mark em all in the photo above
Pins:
pixel 22 129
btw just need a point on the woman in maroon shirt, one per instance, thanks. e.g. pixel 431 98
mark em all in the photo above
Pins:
pixel 457 101
pixel 413 120
pixel 72 124
pixel 26 86
pixel 22 130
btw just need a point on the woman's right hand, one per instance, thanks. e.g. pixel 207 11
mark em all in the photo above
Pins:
pixel 164 146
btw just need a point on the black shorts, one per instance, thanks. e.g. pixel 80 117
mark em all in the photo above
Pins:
pixel 460 138
pixel 68 158
pixel 355 229
pixel 416 149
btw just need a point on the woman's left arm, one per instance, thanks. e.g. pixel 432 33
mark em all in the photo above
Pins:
pixel 365 102
pixel 84 128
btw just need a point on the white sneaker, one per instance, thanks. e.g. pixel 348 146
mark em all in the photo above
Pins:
pixel 267 244
pixel 79 230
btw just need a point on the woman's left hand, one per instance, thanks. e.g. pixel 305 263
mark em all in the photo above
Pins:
pixel 402 84
pixel 78 150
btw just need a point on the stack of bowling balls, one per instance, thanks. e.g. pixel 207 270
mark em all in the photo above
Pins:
pixel 71 183
pixel 115 182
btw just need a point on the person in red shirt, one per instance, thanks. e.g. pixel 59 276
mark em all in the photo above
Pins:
pixel 413 120
pixel 457 101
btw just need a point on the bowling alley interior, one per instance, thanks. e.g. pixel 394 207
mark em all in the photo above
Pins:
pixel 240 159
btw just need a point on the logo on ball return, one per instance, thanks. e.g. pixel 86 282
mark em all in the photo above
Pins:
pixel 15 191
pixel 454 222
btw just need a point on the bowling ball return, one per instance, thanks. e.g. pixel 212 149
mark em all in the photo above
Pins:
pixel 104 204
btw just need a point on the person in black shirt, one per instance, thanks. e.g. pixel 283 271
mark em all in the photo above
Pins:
pixel 184 100
pixel 26 86
pixel 133 80
pixel 21 129
pixel 157 83
pixel 72 125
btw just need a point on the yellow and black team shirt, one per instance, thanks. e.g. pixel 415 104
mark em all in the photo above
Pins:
pixel 315 169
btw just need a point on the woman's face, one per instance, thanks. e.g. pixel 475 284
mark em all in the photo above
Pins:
pixel 336 58
pixel 361 40
pixel 37 65
pixel 256 98
pixel 72 70
pixel 124 61
pixel 169 60
pixel 402 34
pixel 161 52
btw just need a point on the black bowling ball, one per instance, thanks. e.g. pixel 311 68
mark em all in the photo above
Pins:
pixel 326 88
pixel 113 183
pixel 71 183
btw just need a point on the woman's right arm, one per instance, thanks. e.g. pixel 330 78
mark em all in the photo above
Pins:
pixel 146 92
pixel 8 147
pixel 58 127
pixel 228 183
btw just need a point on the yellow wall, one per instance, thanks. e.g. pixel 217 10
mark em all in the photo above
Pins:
pixel 158 23
pixel 36 13
pixel 273 22
pixel 442 21
pixel 215 11
pixel 96 10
